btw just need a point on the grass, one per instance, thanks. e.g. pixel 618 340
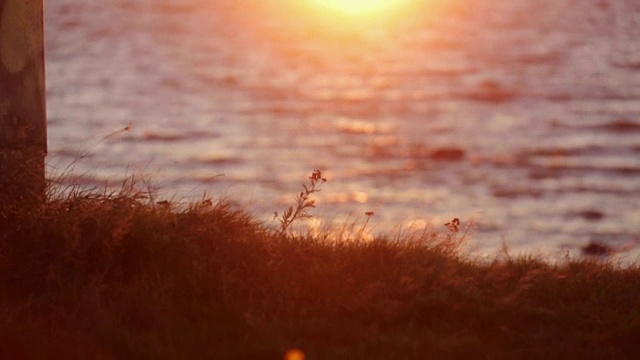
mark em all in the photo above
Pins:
pixel 117 275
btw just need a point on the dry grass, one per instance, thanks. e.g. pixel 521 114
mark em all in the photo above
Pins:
pixel 117 275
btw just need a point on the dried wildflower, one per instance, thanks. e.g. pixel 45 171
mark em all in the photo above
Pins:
pixel 207 202
pixel 316 176
pixel 453 225
pixel 369 214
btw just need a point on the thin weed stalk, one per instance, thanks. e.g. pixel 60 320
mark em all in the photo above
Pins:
pixel 303 202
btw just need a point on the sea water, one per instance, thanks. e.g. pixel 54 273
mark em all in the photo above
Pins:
pixel 520 118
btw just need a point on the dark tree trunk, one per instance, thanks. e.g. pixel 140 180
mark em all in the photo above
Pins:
pixel 23 135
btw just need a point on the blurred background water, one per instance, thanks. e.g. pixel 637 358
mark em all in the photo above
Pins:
pixel 521 118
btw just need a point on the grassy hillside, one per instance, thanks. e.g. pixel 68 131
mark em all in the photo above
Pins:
pixel 117 275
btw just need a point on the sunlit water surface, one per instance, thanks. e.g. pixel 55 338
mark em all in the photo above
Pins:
pixel 521 118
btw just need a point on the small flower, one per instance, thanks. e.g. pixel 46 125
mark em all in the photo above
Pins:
pixel 369 213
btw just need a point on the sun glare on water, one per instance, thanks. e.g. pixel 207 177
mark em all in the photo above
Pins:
pixel 360 7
